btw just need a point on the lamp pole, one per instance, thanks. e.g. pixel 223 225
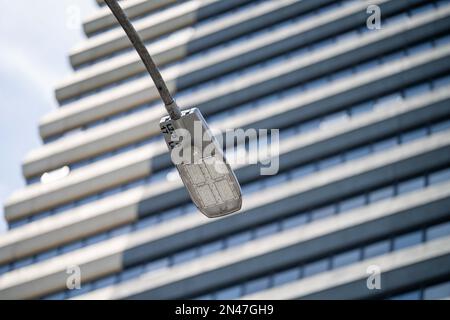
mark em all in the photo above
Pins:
pixel 170 104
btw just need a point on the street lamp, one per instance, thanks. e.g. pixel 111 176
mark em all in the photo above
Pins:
pixel 198 157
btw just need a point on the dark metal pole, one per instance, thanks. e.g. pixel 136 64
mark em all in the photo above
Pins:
pixel 169 102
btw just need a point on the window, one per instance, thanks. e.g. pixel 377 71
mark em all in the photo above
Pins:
pixel 352 203
pixel 382 193
pixel 411 185
pixel 72 246
pixel 97 238
pixel 361 108
pixel 357 153
pixel 413 295
pixel 239 238
pixel 440 126
pixel 329 162
pixel 323 212
pixel 229 293
pixel 302 171
pixel 131 273
pixel 346 258
pixel 286 276
pixel 121 230
pixel 211 247
pixel 184 256
pixel 388 101
pixel 156 264
pixel 438 231
pixel 376 249
pixel 315 267
pixel 408 240
pixel 416 90
pixel 385 144
pixel 294 221
pixel 256 285
pixel 266 230
pixel 47 255
pixel 441 82
pixel 413 135
pixel 438 291
pixel 439 176
pixel 146 222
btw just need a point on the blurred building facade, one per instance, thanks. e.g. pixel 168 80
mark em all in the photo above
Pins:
pixel 364 180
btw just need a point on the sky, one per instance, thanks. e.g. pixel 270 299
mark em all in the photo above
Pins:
pixel 35 38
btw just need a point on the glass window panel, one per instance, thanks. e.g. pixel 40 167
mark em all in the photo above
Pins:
pixel 156 265
pixel 416 90
pixel 413 135
pixel 309 126
pixel 408 240
pixel 366 66
pixel 211 247
pixel 385 144
pixel 56 296
pixel 266 230
pixel 413 295
pixel 105 282
pixel 342 74
pixel 388 101
pixel 323 212
pixel 438 231
pixel 376 249
pixel 303 171
pixel 5 268
pixel 346 258
pixel 439 176
pixel 315 267
pixel 184 256
pixel 146 222
pixel 72 246
pixel 238 239
pixel 256 285
pixel 352 203
pixel 419 48
pixel 171 214
pixel 205 297
pixel 121 230
pixel 442 41
pixel 229 293
pixel 392 57
pixel 47 255
pixel 361 108
pixel 22 263
pixel 294 221
pixel 438 291
pixel 275 180
pixel 330 162
pixel 97 238
pixel 440 126
pixel 357 153
pixel 441 82
pixel 382 193
pixel 251 187
pixel 411 185
pixel 131 273
pixel 334 118
pixel 286 276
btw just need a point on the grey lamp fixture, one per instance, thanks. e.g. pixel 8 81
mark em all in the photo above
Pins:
pixel 209 179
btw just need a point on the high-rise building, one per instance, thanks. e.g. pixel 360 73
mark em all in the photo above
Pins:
pixel 360 207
